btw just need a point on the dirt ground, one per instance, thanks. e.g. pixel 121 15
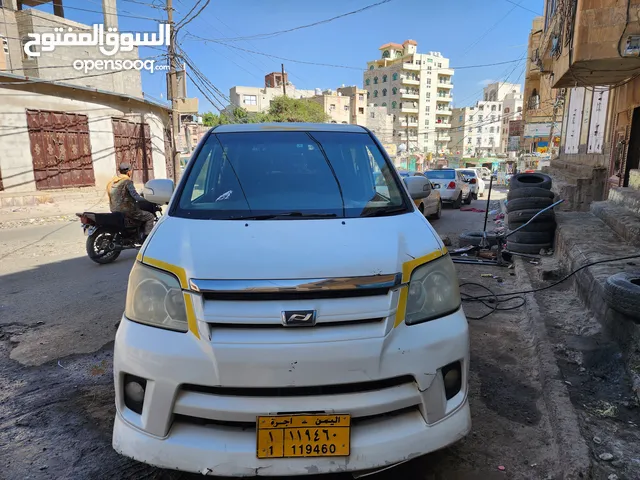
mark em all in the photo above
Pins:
pixel 58 312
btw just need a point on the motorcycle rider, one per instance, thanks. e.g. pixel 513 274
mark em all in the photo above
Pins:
pixel 123 198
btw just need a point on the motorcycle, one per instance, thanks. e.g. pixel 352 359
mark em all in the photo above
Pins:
pixel 108 234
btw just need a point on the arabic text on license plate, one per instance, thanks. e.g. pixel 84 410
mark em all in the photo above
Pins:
pixel 286 436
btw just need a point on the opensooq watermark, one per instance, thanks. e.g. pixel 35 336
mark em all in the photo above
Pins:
pixel 109 43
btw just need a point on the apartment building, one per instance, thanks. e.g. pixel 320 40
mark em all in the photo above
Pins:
pixel 343 105
pixel 476 131
pixel 380 122
pixel 416 88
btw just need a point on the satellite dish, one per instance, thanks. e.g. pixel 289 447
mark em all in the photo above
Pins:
pixel 402 147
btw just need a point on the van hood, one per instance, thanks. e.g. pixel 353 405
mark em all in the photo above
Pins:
pixel 291 249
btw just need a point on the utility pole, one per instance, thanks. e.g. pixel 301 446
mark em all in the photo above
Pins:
pixel 284 81
pixel 172 81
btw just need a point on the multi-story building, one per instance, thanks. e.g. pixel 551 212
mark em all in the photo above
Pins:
pixel 344 105
pixel 476 131
pixel 380 122
pixel 416 89
pixel 542 113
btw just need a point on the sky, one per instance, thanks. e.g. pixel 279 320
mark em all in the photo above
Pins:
pixel 468 32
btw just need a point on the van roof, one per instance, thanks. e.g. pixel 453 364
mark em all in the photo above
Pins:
pixel 284 127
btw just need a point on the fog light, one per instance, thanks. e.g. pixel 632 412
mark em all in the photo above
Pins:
pixel 134 388
pixel 452 377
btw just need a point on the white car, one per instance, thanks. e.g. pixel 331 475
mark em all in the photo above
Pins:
pixel 286 317
pixel 451 185
pixel 475 181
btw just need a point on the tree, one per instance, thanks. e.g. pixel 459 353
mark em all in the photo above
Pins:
pixel 285 109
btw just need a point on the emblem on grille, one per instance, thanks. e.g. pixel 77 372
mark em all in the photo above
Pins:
pixel 299 318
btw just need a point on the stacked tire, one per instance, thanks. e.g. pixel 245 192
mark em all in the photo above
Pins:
pixel 528 194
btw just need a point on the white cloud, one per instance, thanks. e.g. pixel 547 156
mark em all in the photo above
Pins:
pixel 486 82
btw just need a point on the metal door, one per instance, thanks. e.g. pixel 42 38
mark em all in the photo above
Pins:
pixel 133 145
pixel 60 149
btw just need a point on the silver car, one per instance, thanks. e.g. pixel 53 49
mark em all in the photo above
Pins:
pixel 451 185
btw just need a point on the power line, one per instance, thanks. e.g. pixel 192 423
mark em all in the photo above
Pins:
pixel 309 25
pixel 523 7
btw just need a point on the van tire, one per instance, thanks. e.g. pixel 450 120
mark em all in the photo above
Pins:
pixel 536 203
pixel 530 248
pixel 622 293
pixel 539 180
pixel 474 238
pixel 527 192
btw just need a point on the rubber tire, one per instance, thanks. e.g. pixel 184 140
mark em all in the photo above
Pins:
pixel 523 216
pixel 622 295
pixel 474 238
pixel 530 248
pixel 458 203
pixel 468 200
pixel 438 214
pixel 544 226
pixel 103 260
pixel 536 203
pixel 528 192
pixel 521 180
pixel 532 237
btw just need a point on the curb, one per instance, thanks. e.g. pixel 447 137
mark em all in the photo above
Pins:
pixel 573 453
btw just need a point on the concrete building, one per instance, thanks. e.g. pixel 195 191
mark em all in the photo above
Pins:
pixel 17 22
pixel 381 124
pixel 416 89
pixel 512 105
pixel 476 131
pixel 344 105
pixel 57 135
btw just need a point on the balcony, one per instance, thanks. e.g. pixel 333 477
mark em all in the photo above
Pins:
pixel 443 138
pixel 444 98
pixel 411 123
pixel 411 66
pixel 409 109
pixel 410 80
pixel 443 125
pixel 447 72
pixel 443 111
pixel 599 52
pixel 409 96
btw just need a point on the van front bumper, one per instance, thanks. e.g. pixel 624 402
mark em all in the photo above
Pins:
pixel 204 431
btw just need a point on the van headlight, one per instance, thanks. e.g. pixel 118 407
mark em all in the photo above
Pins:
pixel 433 291
pixel 155 298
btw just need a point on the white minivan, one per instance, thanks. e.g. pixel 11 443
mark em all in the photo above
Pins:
pixel 285 317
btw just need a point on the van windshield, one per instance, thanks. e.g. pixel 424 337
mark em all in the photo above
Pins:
pixel 289 175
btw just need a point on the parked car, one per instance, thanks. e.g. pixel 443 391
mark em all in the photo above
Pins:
pixel 287 316
pixel 476 183
pixel 451 185
pixel 430 206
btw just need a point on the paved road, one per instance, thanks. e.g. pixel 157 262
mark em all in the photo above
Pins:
pixel 57 323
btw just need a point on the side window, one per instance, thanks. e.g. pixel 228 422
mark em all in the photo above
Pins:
pixel 200 185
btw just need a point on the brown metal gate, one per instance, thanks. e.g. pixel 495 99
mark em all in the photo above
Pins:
pixel 60 149
pixel 133 145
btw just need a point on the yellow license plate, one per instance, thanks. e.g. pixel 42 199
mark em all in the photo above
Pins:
pixel 286 436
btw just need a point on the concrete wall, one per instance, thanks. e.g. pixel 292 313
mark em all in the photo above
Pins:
pixel 264 96
pixel 338 107
pixel 58 65
pixel 16 162
pixel 380 123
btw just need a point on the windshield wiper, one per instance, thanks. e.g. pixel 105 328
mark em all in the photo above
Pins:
pixel 381 212
pixel 285 215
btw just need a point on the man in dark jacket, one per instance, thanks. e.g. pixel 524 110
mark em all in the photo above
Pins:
pixel 123 198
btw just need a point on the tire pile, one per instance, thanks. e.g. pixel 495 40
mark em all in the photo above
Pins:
pixel 528 194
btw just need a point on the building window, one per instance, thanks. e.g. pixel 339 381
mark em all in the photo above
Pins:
pixel 506 110
pixel 5 43
pixel 491 130
pixel 471 118
pixel 384 79
pixel 375 104
pixel 367 81
pixel 373 114
pixel 480 117
pixel 361 110
pixel 500 107
pixel 332 107
pixel 384 104
pixel 250 99
pixel 470 129
pixel 361 97
pixel 439 65
pixel 394 105
pixel 493 118
pixel 346 108
pixel 386 54
pixel 430 60
pixel 384 92
pixel 394 76
pixel 394 91
pixel 428 95
pixel 426 122
pixel 519 109
pixel 375 94
pixel 493 108
pixel 427 109
pixel 460 118
pixel 375 80
pixel 371 67
pixel 479 130
pixel 428 81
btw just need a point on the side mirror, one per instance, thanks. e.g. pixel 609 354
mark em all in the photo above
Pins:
pixel 418 187
pixel 158 191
